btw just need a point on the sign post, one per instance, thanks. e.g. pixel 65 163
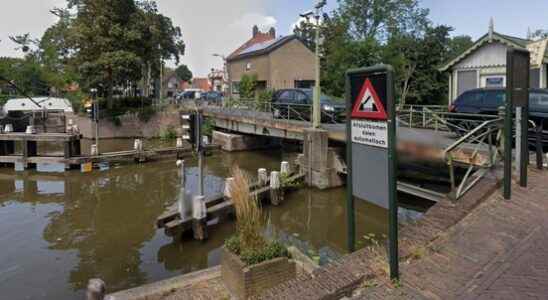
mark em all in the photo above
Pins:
pixel 517 95
pixel 371 149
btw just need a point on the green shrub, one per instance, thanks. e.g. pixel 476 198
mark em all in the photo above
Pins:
pixel 168 134
pixel 250 257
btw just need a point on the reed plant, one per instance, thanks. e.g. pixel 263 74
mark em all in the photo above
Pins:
pixel 249 216
pixel 249 243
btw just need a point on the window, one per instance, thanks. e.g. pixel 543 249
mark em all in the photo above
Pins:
pixel 301 98
pixel 494 98
pixel 248 66
pixel 286 96
pixel 470 98
pixel 495 81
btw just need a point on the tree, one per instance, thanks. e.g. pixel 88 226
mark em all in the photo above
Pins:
pixel 539 34
pixel 458 44
pixel 306 32
pixel 183 73
pixel 378 19
pixel 248 83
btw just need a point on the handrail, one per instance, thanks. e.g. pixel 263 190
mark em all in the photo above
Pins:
pixel 470 134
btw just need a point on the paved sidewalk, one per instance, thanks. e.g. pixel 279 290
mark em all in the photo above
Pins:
pixel 499 251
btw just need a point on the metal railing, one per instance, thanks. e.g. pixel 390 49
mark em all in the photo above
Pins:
pixel 476 152
pixel 280 111
pixel 439 119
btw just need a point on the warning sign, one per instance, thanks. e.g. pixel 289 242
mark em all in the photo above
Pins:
pixel 368 105
pixel 370 132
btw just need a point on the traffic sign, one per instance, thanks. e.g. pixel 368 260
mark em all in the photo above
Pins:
pixel 368 105
pixel 371 149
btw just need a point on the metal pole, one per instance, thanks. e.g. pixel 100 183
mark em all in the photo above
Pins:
pixel 316 110
pixel 350 214
pixel 96 107
pixel 524 145
pixel 200 154
pixel 392 179
pixel 508 145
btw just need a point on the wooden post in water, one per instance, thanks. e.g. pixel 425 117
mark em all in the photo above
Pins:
pixel 285 168
pixel 276 193
pixel 262 177
pixel 96 289
pixel 199 222
pixel 228 186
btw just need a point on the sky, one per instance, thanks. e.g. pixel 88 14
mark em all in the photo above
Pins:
pixel 220 26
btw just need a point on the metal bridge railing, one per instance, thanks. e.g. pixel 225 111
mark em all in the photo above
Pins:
pixel 281 111
pixel 476 152
pixel 439 119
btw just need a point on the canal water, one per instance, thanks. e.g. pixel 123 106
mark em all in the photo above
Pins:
pixel 59 229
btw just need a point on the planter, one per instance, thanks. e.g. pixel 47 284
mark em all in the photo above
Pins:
pixel 249 281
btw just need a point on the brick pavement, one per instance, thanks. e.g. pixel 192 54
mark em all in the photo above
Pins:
pixel 496 252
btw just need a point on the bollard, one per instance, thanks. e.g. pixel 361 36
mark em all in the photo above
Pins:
pixel 276 194
pixel 96 290
pixel 179 143
pixel 262 176
pixel 285 169
pixel 228 186
pixel 199 222
pixel 30 130
pixel 138 145
pixel 93 151
pixel 8 128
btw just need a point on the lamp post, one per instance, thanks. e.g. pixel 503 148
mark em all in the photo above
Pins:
pixel 226 73
pixel 316 109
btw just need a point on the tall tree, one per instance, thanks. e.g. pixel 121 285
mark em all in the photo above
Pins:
pixel 539 34
pixel 184 73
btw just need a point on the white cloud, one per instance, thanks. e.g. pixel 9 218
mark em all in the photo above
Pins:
pixel 208 26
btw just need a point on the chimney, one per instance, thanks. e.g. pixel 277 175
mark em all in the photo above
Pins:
pixel 255 30
pixel 272 32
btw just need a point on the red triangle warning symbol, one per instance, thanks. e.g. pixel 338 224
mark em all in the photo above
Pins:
pixel 368 104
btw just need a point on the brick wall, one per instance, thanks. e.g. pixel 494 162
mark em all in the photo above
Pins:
pixel 244 282
pixel 131 126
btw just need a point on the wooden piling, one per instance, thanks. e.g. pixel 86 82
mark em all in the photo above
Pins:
pixel 262 177
pixel 199 222
pixel 228 185
pixel 284 168
pixel 276 193
pixel 96 289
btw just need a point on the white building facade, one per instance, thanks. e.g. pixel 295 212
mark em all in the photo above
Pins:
pixel 484 64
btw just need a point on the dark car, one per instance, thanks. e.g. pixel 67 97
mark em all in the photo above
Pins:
pixel 296 104
pixel 213 97
pixel 487 101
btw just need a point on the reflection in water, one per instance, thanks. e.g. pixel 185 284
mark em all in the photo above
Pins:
pixel 57 230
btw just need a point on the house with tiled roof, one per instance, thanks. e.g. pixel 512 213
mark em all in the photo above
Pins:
pixel 483 65
pixel 277 62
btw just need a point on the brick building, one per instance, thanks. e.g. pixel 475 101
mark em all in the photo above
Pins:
pixel 278 62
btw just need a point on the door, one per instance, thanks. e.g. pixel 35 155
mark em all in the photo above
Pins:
pixel 467 80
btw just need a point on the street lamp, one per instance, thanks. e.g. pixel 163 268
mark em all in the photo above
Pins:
pixel 226 73
pixel 316 109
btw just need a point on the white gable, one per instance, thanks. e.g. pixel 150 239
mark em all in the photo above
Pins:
pixel 489 55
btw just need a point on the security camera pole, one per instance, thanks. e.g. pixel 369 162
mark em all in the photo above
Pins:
pixel 316 109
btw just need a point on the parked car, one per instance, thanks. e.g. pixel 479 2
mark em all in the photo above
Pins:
pixel 486 101
pixel 297 104
pixel 190 94
pixel 213 97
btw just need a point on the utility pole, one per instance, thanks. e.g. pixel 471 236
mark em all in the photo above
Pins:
pixel 316 108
